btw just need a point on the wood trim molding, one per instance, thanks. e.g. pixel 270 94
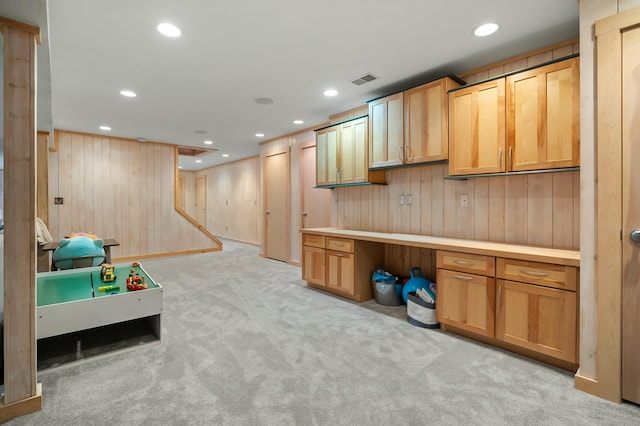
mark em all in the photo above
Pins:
pixel 297 132
pixel 586 384
pixel 21 26
pixel 23 407
pixel 619 22
pixel 519 57
pixel 167 254
pixel 56 132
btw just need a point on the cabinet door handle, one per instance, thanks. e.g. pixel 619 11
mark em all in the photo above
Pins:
pixel 337 178
pixel 407 151
pixel 533 273
pixel 339 255
pixel 499 297
pixel 500 159
pixel 462 277
pixel 510 158
pixel 463 262
pixel 401 153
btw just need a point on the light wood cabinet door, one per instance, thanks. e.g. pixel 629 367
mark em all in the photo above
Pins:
pixel 340 275
pixel 543 117
pixel 466 301
pixel 313 266
pixel 353 142
pixel 426 122
pixel 537 318
pixel 386 138
pixel 477 129
pixel 327 156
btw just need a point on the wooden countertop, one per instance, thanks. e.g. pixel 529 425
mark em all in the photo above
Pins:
pixel 511 251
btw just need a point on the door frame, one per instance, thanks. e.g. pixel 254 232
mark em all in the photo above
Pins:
pixel 609 203
pixel 287 152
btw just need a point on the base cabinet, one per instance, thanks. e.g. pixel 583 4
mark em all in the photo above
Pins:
pixel 313 265
pixel 466 301
pixel 341 266
pixel 528 305
pixel 538 318
pixel 340 272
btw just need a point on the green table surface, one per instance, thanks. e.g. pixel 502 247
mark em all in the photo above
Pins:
pixel 83 283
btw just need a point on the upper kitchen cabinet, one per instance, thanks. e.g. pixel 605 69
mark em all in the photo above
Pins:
pixel 412 126
pixel 426 122
pixel 543 117
pixel 341 154
pixel 522 122
pixel 477 129
pixel 386 131
pixel 327 156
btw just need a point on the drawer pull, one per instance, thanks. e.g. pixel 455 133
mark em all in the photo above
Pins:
pixel 339 255
pixel 461 277
pixel 339 244
pixel 463 262
pixel 533 273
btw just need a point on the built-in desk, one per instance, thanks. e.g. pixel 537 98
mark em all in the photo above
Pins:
pixel 522 298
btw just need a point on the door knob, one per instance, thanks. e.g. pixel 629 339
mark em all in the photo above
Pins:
pixel 268 212
pixel 635 235
pixel 304 214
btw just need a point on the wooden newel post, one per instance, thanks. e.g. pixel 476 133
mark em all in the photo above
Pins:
pixel 22 394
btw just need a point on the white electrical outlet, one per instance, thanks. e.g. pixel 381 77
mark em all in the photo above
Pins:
pixel 464 201
pixel 407 199
pixel 402 200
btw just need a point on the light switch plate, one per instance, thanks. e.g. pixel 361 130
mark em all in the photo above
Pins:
pixel 407 200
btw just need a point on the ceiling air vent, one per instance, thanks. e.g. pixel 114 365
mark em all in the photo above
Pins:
pixel 364 79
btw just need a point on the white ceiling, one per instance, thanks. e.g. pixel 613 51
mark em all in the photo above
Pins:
pixel 232 52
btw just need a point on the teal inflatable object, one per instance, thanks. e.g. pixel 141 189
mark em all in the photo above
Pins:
pixel 77 247
pixel 415 282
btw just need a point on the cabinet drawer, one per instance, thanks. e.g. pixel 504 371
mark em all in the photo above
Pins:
pixel 473 263
pixel 545 274
pixel 313 240
pixel 340 244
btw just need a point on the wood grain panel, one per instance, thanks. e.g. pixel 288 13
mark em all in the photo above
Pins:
pixel 124 190
pixel 514 209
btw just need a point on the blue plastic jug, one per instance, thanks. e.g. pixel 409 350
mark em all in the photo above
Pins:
pixel 415 282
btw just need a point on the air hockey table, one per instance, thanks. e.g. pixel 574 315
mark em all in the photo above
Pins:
pixel 71 300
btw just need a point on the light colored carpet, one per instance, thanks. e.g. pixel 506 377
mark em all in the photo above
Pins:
pixel 246 343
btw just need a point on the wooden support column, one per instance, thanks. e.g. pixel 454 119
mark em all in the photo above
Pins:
pixel 22 394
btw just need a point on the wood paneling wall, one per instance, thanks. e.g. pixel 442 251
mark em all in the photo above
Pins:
pixel 232 199
pixel 121 189
pixel 189 192
pixel 534 209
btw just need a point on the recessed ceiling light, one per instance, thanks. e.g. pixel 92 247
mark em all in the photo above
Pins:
pixel 179 167
pixel 486 29
pixel 263 101
pixel 169 30
pixel 225 155
pixel 128 93
pixel 200 132
pixel 260 135
pixel 105 128
pixel 208 142
pixel 298 121
pixel 330 92
pixel 198 161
